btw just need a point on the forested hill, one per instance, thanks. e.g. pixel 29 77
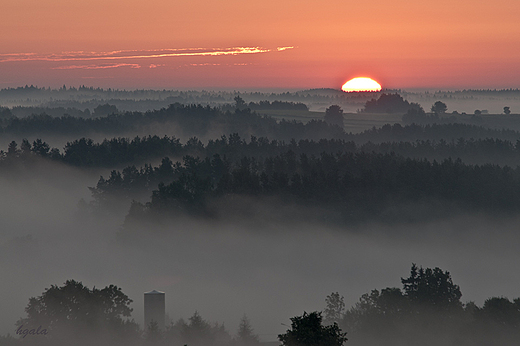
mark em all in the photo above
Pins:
pixel 346 181
pixel 209 123
pixel 115 152
pixel 192 120
pixel 390 173
pixel 345 187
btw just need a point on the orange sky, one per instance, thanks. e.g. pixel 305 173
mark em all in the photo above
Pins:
pixel 401 44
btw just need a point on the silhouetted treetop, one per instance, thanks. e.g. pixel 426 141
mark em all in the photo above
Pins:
pixel 334 116
pixel 428 311
pixel 307 330
pixel 432 288
pixel 439 107
pixel 74 311
pixel 389 103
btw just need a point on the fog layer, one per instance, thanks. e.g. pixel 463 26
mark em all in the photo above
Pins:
pixel 272 271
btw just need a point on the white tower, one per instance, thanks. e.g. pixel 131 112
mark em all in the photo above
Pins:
pixel 154 308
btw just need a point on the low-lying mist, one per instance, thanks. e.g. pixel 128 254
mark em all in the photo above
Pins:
pixel 270 270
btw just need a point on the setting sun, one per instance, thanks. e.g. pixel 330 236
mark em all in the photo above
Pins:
pixel 361 84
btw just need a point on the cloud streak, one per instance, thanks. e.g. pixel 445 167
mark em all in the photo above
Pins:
pixel 136 54
pixel 95 67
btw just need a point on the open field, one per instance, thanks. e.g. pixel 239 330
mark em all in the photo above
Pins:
pixel 359 122
pixel 494 121
pixel 354 122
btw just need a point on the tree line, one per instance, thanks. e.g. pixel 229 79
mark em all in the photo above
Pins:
pixel 427 310
pixel 198 120
pixel 191 120
pixel 350 181
pixel 347 187
pixel 112 152
pixel 75 314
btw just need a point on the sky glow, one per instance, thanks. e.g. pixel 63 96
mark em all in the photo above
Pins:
pixel 279 44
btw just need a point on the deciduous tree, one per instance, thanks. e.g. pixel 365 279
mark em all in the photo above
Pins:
pixel 73 311
pixel 334 115
pixel 439 107
pixel 432 288
pixel 307 330
pixel 335 308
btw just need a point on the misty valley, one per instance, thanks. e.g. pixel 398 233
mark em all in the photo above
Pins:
pixel 315 217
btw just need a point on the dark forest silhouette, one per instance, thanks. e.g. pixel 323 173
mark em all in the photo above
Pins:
pixel 75 314
pixel 428 310
pixel 352 182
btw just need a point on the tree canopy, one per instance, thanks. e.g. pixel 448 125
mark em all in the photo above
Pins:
pixel 245 334
pixel 428 311
pixel 439 107
pixel 73 311
pixel 307 330
pixel 390 103
pixel 335 308
pixel 334 116
pixel 432 288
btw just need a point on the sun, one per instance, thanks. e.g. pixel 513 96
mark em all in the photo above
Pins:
pixel 361 84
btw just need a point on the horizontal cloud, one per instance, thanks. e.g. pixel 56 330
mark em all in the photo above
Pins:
pixel 136 54
pixel 209 64
pixel 95 67
pixel 206 64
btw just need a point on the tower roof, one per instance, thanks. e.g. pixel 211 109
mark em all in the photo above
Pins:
pixel 154 292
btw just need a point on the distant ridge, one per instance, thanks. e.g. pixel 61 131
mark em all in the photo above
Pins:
pixel 331 91
pixel 321 91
